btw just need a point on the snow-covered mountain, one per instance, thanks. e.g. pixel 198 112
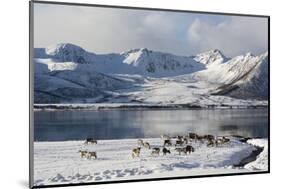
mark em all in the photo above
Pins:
pixel 65 52
pixel 68 73
pixel 252 82
pixel 155 64
pixel 211 57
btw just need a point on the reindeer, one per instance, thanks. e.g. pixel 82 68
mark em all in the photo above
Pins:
pixel 193 136
pixel 155 151
pixel 167 142
pixel 90 141
pixel 201 139
pixel 221 141
pixel 185 139
pixel 218 141
pixel 189 149
pixel 225 140
pixel 211 142
pixel 83 153
pixel 179 142
pixel 136 152
pixel 209 137
pixel 146 145
pixel 91 155
pixel 179 137
pixel 140 142
pixel 165 151
pixel 181 150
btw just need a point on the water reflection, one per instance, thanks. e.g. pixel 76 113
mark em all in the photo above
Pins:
pixel 117 124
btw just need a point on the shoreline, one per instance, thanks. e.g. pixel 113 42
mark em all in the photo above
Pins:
pixel 251 158
pixel 120 106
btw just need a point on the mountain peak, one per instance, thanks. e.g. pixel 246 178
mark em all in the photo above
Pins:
pixel 212 56
pixel 249 54
pixel 214 52
pixel 57 48
pixel 67 52
pixel 144 50
pixel 136 50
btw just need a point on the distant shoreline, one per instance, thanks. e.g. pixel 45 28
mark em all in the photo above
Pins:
pixel 116 106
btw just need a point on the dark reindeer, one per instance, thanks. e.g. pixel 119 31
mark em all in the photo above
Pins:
pixel 166 151
pixel 90 141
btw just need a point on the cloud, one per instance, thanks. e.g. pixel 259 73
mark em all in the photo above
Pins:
pixel 237 35
pixel 106 30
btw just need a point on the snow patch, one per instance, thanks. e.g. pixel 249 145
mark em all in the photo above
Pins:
pixel 261 163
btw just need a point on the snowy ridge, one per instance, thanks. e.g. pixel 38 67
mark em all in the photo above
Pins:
pixel 211 57
pixel 146 76
pixel 252 82
pixel 66 52
pixel 160 64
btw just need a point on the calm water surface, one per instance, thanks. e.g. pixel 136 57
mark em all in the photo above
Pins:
pixel 119 124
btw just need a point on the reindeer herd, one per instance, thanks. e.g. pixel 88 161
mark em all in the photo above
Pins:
pixel 182 145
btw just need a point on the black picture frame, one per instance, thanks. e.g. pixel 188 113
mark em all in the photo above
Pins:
pixel 31 128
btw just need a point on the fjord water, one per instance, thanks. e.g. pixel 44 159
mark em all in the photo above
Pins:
pixel 121 124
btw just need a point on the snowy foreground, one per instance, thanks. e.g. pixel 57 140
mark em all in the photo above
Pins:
pixel 60 162
pixel 261 162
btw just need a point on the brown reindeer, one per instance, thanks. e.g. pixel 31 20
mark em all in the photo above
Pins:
pixel 155 151
pixel 146 145
pixel 167 142
pixel 181 150
pixel 200 138
pixel 211 142
pixel 225 140
pixel 91 155
pixel 209 137
pixel 193 136
pixel 83 153
pixel 221 141
pixel 90 141
pixel 136 152
pixel 179 137
pixel 185 139
pixel 140 142
pixel 179 142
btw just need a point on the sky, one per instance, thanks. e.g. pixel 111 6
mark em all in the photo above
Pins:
pixel 106 30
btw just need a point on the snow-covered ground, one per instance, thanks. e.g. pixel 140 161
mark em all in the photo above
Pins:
pixel 261 162
pixel 180 92
pixel 60 162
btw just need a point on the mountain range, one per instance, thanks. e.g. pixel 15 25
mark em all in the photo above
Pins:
pixel 66 73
